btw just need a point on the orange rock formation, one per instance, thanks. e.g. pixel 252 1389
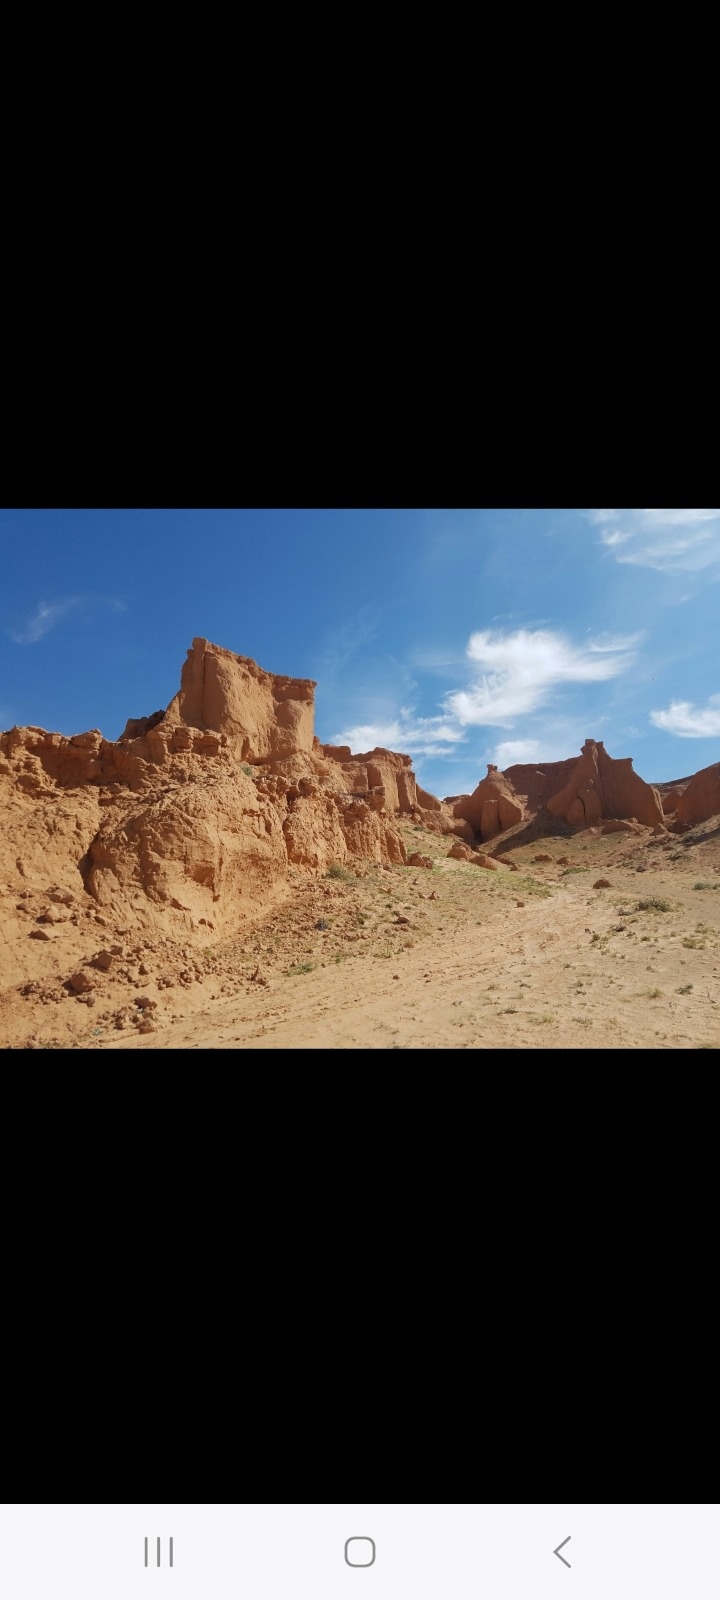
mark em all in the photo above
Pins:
pixel 492 806
pixel 601 787
pixel 193 817
pixel 701 798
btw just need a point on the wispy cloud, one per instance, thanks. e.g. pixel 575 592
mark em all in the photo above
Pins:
pixel 48 613
pixel 672 541
pixel 345 640
pixel 419 736
pixel 689 721
pixel 510 751
pixel 525 667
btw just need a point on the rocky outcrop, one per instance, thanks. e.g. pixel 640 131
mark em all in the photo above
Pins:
pixel 376 769
pixel 701 798
pixel 194 818
pixel 385 779
pixel 536 782
pixel 269 716
pixel 492 807
pixel 600 787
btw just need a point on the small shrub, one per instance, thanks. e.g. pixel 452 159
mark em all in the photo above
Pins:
pixel 248 770
pixel 691 943
pixel 302 966
pixel 339 872
pixel 656 904
pixel 704 885
pixel 685 988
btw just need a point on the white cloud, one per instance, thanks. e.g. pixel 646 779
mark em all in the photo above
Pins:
pixel 681 519
pixel 525 667
pixel 511 751
pixel 524 670
pixel 418 736
pixel 689 721
pixel 670 541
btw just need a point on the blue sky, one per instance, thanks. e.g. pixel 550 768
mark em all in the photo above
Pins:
pixel 458 636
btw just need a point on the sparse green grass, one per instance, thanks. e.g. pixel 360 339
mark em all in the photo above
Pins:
pixel 528 886
pixel 705 885
pixel 301 966
pixel 654 904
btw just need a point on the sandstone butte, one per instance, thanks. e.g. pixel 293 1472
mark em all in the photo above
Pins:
pixel 194 819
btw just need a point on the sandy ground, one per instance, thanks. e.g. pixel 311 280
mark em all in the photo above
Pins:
pixel 451 957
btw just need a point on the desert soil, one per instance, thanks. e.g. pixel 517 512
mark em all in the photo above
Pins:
pixel 453 956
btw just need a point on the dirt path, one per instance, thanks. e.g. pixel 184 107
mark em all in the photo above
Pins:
pixel 463 958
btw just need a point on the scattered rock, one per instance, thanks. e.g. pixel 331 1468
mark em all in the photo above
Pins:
pixel 459 852
pixel 418 860
pixel 103 960
pixel 602 883
pixel 79 982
